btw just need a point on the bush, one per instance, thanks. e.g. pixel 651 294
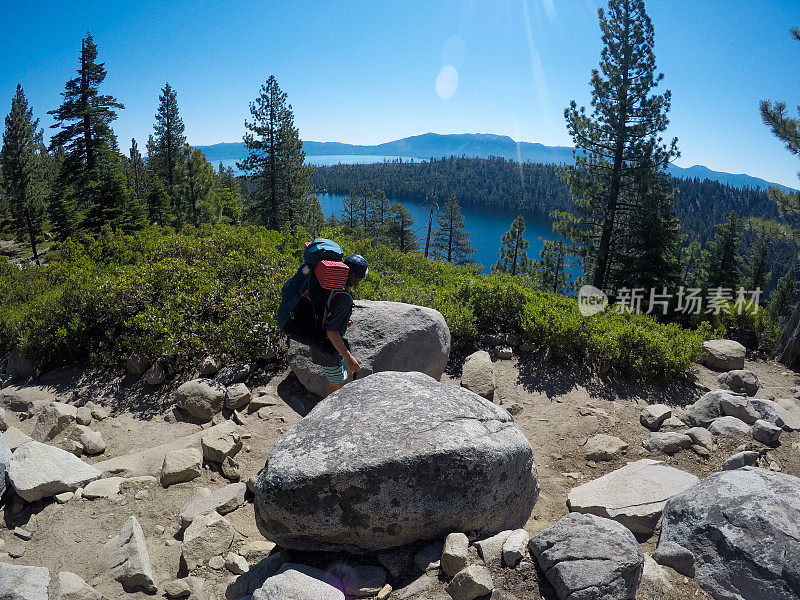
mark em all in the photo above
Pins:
pixel 178 296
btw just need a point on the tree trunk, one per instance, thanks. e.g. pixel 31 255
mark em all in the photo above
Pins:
pixel 787 350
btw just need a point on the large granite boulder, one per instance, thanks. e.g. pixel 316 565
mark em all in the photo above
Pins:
pixel 391 459
pixel 385 336
pixel 633 495
pixel 723 355
pixel 709 407
pixel 18 582
pixel 742 529
pixel 201 398
pixel 39 471
pixel 586 557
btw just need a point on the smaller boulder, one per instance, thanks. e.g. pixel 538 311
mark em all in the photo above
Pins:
pixel 137 364
pixel 470 583
pixel 70 586
pixel 739 407
pixel 127 559
pixel 602 447
pixel 429 558
pixel 208 535
pixel 91 442
pixel 491 548
pixel 675 556
pixel 155 375
pixel 180 466
pixel 654 415
pixel 667 442
pixel 53 419
pixel 701 437
pixel 238 396
pixel 729 426
pixel 477 374
pixel 299 582
pixel 747 458
pixel 723 355
pixel 741 381
pixel 225 441
pixel 223 501
pixel 235 373
pixel 359 581
pixel 766 433
pixel 515 548
pixel 84 416
pixel 201 398
pixel 236 564
pixel 18 582
pixel 776 414
pixel 40 471
pixel 209 367
pixel 455 555
pixel 706 409
pixel 505 353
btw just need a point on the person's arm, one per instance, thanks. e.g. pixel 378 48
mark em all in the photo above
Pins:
pixel 338 343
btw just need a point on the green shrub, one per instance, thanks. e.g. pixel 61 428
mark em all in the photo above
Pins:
pixel 178 296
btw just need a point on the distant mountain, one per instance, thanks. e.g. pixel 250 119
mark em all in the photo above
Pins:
pixel 434 145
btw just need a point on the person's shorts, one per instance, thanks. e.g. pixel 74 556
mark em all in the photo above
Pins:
pixel 336 375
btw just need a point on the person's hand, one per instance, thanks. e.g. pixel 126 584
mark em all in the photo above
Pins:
pixel 352 366
pixel 350 323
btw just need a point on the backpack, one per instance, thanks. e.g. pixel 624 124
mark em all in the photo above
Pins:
pixel 304 321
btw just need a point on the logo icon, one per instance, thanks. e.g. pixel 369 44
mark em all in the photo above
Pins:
pixel 591 300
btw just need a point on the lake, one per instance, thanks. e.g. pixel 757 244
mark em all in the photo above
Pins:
pixel 328 160
pixel 486 226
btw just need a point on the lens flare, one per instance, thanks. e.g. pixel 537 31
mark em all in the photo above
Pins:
pixel 447 82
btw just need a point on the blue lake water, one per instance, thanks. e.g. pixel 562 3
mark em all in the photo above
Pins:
pixel 327 160
pixel 486 226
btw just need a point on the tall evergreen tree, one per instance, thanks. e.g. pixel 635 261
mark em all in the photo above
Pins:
pixel 556 258
pixel 137 173
pixel 169 138
pixel 158 205
pixel 195 187
pixel 350 211
pixel 22 168
pixel 112 202
pixel 757 275
pixel 380 214
pixel 275 157
pixel 783 297
pixel 513 255
pixel 400 229
pixel 366 209
pixel 692 265
pixel 84 119
pixel 451 241
pixel 722 258
pixel 618 145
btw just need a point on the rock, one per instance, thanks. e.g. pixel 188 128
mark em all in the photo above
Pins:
pixel 777 415
pixel 505 353
pixel 633 495
pixel 126 558
pixel 238 396
pixel 236 564
pixel 701 437
pixel 741 527
pixel 739 407
pixel 384 593
pixel 64 497
pixel 730 426
pixel 71 587
pixel 359 581
pixel 84 416
pixel 673 424
pixel 740 381
pixel 208 535
pixel 235 373
pixel 230 469
pixel 723 355
pixel 137 364
pixel 435 459
pixel 477 374
pixel 201 398
pixel 385 336
pixel 91 442
pixel 515 548
pixel 298 582
pixel 223 442
pixel 455 554
pixel 209 367
pixel 747 458
pixel 415 589
pixel 668 442
pixel 23 399
pixel 706 409
pixel 5 462
pixel 39 471
pixel 491 548
pixel 654 415
pixel 428 559
pixel 674 556
pixel 766 433
pixel 22 533
pixel 222 501
pixel 589 557
pixel 181 466
pixel 395 561
pixel 177 588
pixel 54 419
pixel 23 583
pixel 655 582
pixel 602 447
pixel 247 583
pixel 103 488
pixel 15 438
pixel 470 583
pixel 98 412
pixel 155 375
pixel 254 551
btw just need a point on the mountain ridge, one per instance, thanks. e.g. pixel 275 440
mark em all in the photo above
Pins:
pixel 434 145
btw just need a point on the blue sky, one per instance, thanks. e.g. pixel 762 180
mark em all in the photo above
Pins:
pixel 366 72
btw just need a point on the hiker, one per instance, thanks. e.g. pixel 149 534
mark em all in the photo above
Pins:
pixel 316 306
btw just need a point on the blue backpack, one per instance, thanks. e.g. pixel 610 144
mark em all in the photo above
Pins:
pixel 299 284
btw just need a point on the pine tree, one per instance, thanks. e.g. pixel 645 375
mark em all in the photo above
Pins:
pixel 380 214
pixel 310 216
pixel 757 276
pixel 722 257
pixel 85 118
pixel 693 273
pixel 111 196
pixel 195 187
pixel 783 297
pixel 158 205
pixel 169 139
pixel 400 229
pixel 618 144
pixel 21 164
pixel 451 241
pixel 350 211
pixel 556 258
pixel 63 206
pixel 513 258
pixel 366 209
pixel 137 173
pixel 275 158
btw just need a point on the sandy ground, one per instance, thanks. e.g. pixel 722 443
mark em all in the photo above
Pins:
pixel 560 405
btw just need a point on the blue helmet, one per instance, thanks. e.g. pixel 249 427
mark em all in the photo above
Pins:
pixel 358 265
